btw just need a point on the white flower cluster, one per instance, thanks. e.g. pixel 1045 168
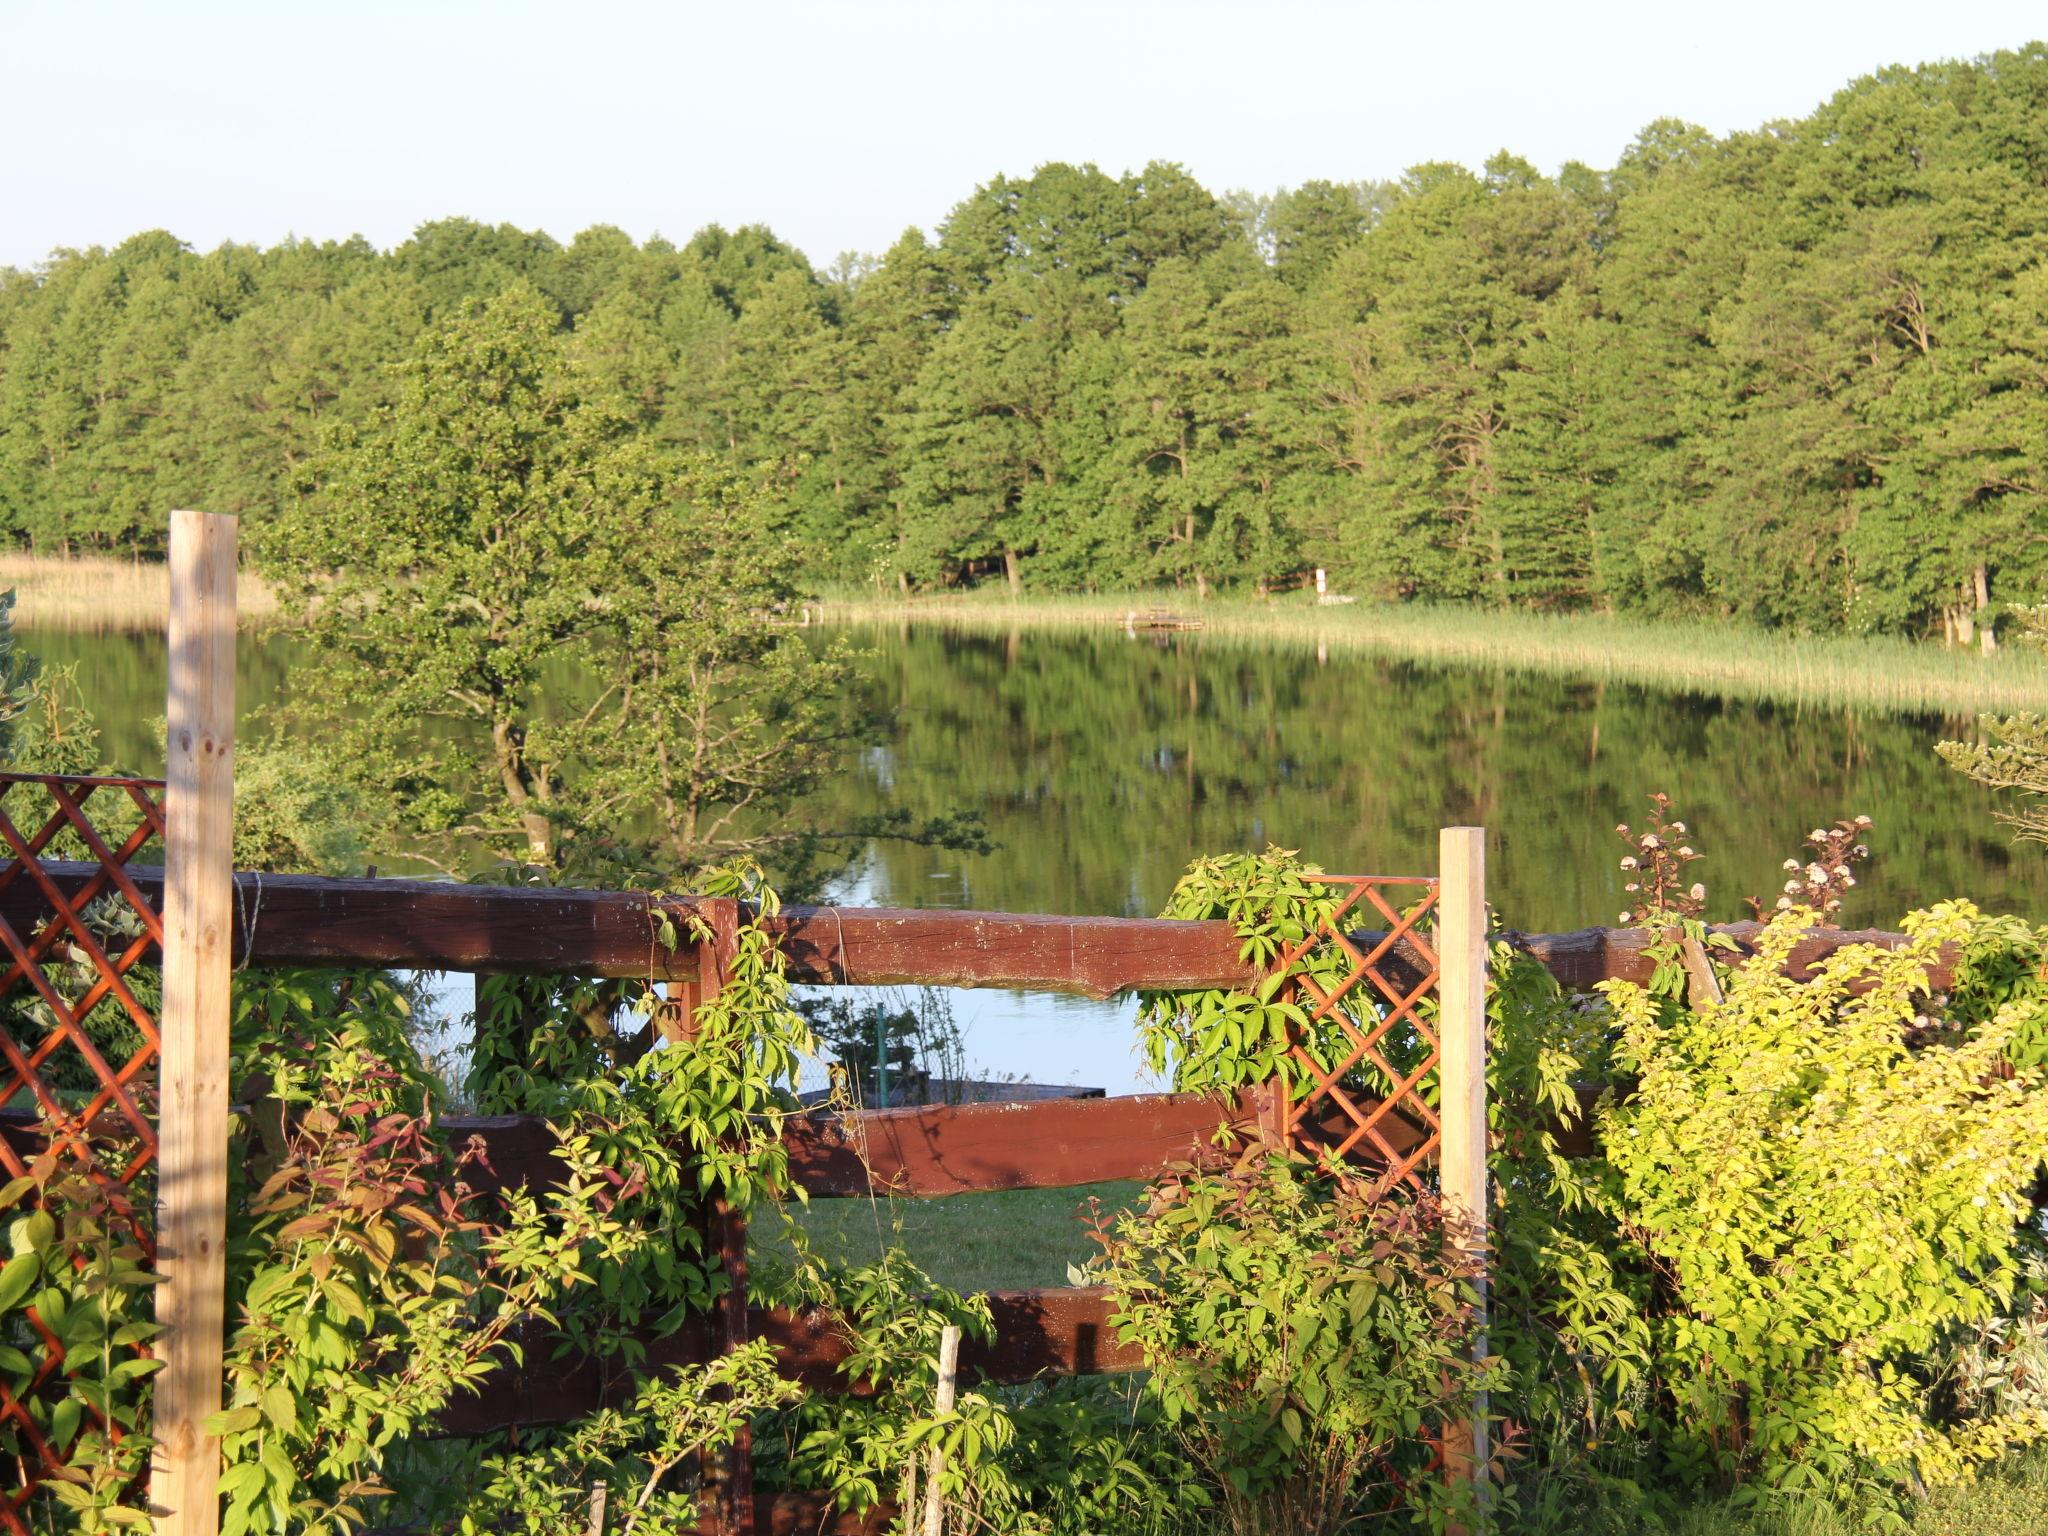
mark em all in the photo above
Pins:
pixel 1820 881
pixel 1652 867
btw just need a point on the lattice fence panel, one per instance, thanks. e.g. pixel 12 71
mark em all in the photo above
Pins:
pixel 77 1053
pixel 1369 1051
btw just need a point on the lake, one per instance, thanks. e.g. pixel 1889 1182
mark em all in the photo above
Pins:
pixel 1103 764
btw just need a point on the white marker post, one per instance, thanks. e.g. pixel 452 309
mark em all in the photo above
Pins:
pixel 1461 993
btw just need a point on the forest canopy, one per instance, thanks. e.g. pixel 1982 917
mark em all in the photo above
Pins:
pixel 1797 376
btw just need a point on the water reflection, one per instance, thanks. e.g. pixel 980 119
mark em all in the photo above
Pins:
pixel 1104 764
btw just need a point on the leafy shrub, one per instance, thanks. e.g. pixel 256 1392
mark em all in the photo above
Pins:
pixel 1302 1333
pixel 75 1292
pixel 868 1444
pixel 1094 1454
pixel 1569 1294
pixel 1822 1202
pixel 625 1459
pixel 1224 1039
pixel 371 1284
pixel 2003 962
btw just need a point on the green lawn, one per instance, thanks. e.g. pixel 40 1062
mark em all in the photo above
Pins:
pixel 1003 1241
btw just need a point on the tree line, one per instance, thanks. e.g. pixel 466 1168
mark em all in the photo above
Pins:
pixel 1797 376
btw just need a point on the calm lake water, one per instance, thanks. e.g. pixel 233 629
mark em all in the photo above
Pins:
pixel 1103 764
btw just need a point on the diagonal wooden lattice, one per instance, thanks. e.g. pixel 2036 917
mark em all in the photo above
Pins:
pixel 63 1097
pixel 1367 1052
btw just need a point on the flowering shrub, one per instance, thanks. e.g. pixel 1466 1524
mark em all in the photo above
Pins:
pixel 1818 881
pixel 1653 871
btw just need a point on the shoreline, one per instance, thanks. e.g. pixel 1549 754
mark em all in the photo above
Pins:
pixel 1710 660
pixel 106 595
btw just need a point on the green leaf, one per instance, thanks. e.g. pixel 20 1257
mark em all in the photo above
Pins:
pixel 16 1277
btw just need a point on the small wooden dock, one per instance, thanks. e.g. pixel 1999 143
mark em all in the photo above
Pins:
pixel 1157 619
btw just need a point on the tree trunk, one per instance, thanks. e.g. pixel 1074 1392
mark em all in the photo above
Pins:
pixel 1013 571
pixel 540 832
pixel 1982 580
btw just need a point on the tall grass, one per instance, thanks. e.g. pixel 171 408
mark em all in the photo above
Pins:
pixel 2010 1499
pixel 1727 661
pixel 98 593
pixel 1715 660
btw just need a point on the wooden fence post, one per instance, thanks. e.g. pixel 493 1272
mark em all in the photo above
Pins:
pixel 198 917
pixel 1461 943
pixel 727 1476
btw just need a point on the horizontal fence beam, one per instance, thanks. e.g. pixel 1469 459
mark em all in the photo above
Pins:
pixel 439 925
pixel 1038 1333
pixel 1047 1144
pixel 956 1149
pixel 816 1514
pixel 935 1150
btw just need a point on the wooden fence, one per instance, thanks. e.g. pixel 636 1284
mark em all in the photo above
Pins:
pixel 281 920
pixel 923 1152
pixel 197 918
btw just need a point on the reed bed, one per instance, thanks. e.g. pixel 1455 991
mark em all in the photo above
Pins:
pixel 1713 660
pixel 101 593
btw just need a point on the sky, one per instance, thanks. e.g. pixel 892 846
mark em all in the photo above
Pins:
pixel 842 124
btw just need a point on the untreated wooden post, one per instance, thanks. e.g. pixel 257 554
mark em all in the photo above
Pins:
pixel 1461 942
pixel 192 1178
pixel 935 1458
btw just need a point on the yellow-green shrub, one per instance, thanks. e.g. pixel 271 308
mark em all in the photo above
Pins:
pixel 1823 1203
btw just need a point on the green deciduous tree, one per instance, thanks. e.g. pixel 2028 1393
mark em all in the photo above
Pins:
pixel 444 555
pixel 545 639
pixel 1792 376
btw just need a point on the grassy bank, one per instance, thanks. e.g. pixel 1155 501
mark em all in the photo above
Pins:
pixel 1713 660
pixel 1718 661
pixel 58 592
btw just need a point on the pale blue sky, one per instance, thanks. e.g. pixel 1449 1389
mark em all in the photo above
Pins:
pixel 840 124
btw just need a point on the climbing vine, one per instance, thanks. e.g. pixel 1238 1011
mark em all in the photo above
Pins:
pixel 1750 1233
pixel 1224 1038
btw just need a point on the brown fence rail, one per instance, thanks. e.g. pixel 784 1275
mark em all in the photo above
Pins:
pixel 437 925
pixel 919 1152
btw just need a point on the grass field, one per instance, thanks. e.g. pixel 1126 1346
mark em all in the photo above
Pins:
pixel 53 592
pixel 1029 1237
pixel 1006 1240
pixel 1716 660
